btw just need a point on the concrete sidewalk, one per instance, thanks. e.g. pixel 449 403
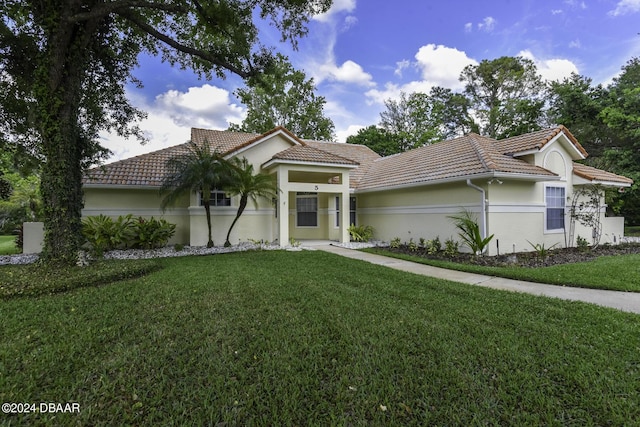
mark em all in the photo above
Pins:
pixel 625 301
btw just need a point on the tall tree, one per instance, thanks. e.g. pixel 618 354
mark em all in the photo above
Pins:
pixel 244 182
pixel 284 98
pixel 622 115
pixel 378 139
pixel 576 103
pixel 64 64
pixel 506 94
pixel 418 119
pixel 197 170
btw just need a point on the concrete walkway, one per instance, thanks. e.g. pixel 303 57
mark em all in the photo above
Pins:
pixel 625 301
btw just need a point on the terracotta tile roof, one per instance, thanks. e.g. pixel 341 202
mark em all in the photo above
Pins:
pixel 304 153
pixel 361 154
pixel 598 175
pixel 149 169
pixel 536 140
pixel 458 158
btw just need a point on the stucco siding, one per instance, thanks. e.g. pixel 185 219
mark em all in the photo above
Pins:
pixel 252 225
pixel 139 203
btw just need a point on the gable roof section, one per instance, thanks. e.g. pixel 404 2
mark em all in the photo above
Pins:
pixel 598 176
pixel 457 159
pixel 148 170
pixel 307 154
pixel 536 141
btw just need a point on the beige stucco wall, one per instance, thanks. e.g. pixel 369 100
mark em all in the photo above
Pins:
pixel 419 212
pixel 145 203
pixel 253 225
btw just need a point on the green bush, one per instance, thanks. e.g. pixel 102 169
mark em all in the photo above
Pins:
pixel 105 234
pixel 361 233
pixel 451 247
pixel 582 243
pixel 151 233
pixel 395 243
pixel 433 246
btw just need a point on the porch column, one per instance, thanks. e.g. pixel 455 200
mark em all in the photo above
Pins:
pixel 283 206
pixel 344 209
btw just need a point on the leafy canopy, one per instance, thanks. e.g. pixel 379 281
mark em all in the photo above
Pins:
pixel 64 65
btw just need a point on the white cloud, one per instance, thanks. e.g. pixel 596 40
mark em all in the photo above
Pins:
pixel 488 24
pixel 468 27
pixel 551 69
pixel 442 65
pixel 348 72
pixel 337 7
pixel 401 66
pixel 575 44
pixel 172 115
pixel 556 11
pixel 626 6
pixel 341 135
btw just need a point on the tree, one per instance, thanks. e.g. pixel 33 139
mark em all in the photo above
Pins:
pixel 284 98
pixel 576 103
pixel 247 184
pixel 419 119
pixel 64 64
pixel 506 94
pixel 622 116
pixel 197 170
pixel 378 139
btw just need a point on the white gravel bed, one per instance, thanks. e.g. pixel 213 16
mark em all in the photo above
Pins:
pixel 170 251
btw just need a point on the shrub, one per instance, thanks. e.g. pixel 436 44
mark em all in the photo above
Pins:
pixel 434 246
pixel 541 251
pixel 151 233
pixel 469 232
pixel 450 247
pixel 413 246
pixel 582 244
pixel 395 243
pixel 104 234
pixel 360 233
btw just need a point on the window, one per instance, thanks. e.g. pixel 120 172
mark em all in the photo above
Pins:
pixel 555 200
pixel 352 210
pixel 218 198
pixel 307 209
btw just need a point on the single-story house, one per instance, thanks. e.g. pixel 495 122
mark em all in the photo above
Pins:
pixel 519 188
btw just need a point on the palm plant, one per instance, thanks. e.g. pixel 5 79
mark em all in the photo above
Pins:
pixel 247 184
pixel 469 232
pixel 199 169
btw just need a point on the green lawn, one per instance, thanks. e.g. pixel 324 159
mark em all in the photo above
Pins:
pixel 632 230
pixel 618 273
pixel 8 245
pixel 311 338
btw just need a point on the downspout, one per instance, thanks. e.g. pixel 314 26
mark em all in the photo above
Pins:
pixel 484 204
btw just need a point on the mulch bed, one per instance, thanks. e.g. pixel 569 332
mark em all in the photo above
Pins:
pixel 527 259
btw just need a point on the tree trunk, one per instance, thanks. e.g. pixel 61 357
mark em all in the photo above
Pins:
pixel 207 210
pixel 243 205
pixel 59 92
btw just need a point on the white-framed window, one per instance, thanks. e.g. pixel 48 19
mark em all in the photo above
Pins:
pixel 352 211
pixel 555 200
pixel 307 209
pixel 218 198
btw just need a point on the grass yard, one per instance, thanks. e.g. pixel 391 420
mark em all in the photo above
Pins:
pixel 617 273
pixel 8 245
pixel 311 338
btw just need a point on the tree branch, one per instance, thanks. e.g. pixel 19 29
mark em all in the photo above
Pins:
pixel 180 47
pixel 115 6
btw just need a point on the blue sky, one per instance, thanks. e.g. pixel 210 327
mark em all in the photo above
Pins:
pixel 363 52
